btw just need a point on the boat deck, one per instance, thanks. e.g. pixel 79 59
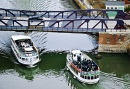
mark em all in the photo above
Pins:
pixel 26 49
pixel 86 65
pixel 27 54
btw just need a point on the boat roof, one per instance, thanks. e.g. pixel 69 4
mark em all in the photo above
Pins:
pixel 76 51
pixel 18 37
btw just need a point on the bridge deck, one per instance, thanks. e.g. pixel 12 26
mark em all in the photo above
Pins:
pixel 61 21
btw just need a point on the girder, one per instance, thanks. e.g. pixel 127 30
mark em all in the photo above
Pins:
pixel 65 23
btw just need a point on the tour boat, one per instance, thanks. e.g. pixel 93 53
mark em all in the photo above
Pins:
pixel 82 67
pixel 24 50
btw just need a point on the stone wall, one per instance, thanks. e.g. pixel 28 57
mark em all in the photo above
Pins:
pixel 114 42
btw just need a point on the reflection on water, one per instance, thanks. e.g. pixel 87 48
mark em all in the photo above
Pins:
pixel 27 73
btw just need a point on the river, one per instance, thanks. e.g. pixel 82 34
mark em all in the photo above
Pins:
pixel 50 73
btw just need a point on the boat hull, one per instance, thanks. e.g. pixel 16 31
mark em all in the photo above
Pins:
pixel 77 76
pixel 82 67
pixel 30 64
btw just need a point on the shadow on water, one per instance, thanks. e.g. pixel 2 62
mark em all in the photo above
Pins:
pixel 27 73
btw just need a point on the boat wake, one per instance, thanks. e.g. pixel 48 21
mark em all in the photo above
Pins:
pixel 107 81
pixel 111 81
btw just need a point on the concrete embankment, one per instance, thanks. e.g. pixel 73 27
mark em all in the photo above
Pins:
pixel 83 4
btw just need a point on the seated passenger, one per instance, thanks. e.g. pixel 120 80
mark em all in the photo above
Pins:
pixel 88 69
pixel 79 58
pixel 74 62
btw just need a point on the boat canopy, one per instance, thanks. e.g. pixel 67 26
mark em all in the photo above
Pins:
pixel 18 37
pixel 76 52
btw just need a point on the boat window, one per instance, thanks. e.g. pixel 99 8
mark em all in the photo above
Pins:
pixel 95 77
pixel 108 40
pixel 81 76
pixel 74 55
pixel 88 77
pixel 85 77
pixel 23 58
pixel 91 77
pixel 119 40
pixel 28 54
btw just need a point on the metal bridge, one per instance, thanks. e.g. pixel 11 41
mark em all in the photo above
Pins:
pixel 81 21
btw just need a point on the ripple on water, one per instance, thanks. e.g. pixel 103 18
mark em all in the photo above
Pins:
pixel 111 81
pixel 37 4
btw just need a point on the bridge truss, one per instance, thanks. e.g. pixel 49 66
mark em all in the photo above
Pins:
pixel 91 20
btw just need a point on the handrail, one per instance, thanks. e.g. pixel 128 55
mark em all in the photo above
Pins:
pixel 55 29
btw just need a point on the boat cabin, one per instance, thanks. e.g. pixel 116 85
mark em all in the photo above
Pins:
pixel 26 46
pixel 83 62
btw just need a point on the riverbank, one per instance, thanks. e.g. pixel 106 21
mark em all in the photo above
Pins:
pixel 111 42
pixel 89 4
pixel 83 4
pixel 97 4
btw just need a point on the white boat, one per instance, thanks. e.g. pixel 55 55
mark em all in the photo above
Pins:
pixel 82 67
pixel 24 50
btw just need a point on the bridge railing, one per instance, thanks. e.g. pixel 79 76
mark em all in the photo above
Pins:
pixel 57 29
pixel 117 30
pixel 13 28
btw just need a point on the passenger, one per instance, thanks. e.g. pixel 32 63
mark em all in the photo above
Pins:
pixel 88 69
pixel 22 44
pixel 88 61
pixel 79 65
pixel 93 67
pixel 96 67
pixel 74 62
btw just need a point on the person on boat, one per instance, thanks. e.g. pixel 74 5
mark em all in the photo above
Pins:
pixel 94 66
pixel 84 64
pixel 74 59
pixel 89 63
pixel 79 61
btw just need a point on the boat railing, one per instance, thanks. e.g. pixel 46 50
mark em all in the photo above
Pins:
pixel 35 48
pixel 90 73
pixel 16 48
